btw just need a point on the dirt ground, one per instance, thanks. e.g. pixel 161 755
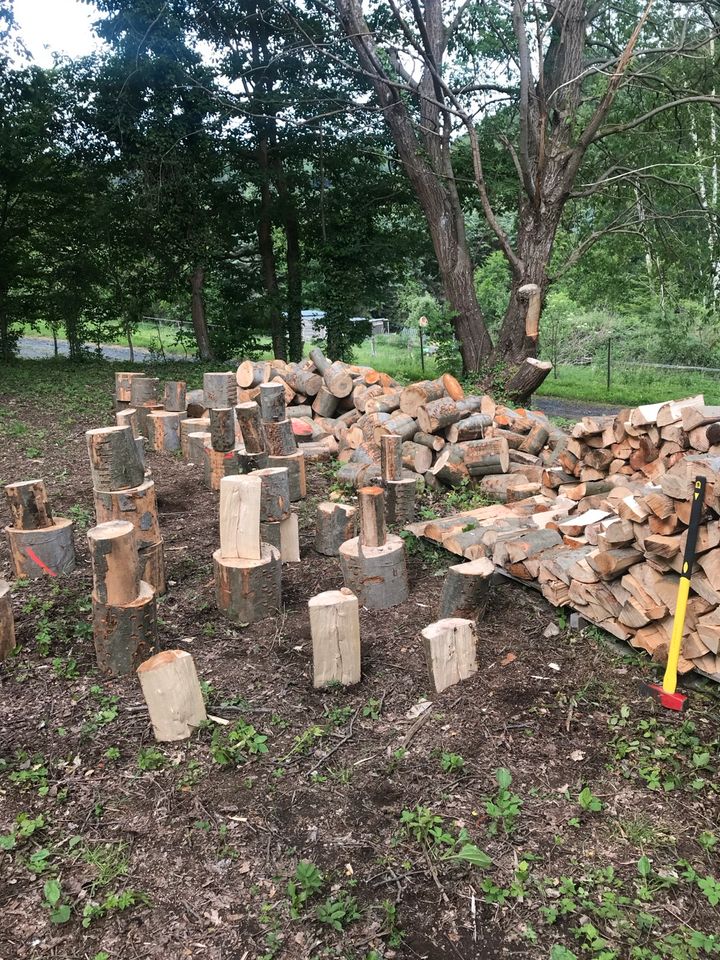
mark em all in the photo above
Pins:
pixel 545 808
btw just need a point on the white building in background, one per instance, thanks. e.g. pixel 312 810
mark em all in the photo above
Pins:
pixel 313 329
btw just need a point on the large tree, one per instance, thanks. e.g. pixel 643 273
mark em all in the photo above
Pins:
pixel 558 71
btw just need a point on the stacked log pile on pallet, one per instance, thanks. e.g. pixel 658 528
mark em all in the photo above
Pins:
pixel 607 531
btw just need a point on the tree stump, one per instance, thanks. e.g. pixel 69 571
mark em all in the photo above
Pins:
pixel 335 630
pixel 280 438
pixel 371 505
pixel 124 635
pixel 450 652
pixel 219 389
pixel 218 464
pixel 295 463
pixel 175 396
pixel 173 695
pixel 163 431
pixel 391 465
pixel 48 551
pixel 114 460
pixel 128 418
pixel 115 563
pixel 325 403
pixel 527 378
pixel 188 426
pixel 222 428
pixel 376 575
pixel 240 498
pixel 250 462
pixel 248 590
pixel 465 589
pixel 272 402
pixel 29 505
pixel 334 524
pixel 7 623
pixel 400 501
pixel 251 427
pixel 275 502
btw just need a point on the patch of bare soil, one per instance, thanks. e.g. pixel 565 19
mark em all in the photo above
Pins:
pixel 604 844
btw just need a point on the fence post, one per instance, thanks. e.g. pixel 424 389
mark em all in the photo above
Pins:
pixel 608 362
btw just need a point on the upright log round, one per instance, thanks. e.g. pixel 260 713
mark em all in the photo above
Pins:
pixel 46 552
pixel 275 500
pixel 29 505
pixel 7 624
pixel 251 427
pixel 114 460
pixel 116 569
pixel 163 431
pixel 334 524
pixel 376 575
pixel 249 590
pixel 295 463
pixel 219 389
pixel 125 635
pixel 188 426
pixel 272 401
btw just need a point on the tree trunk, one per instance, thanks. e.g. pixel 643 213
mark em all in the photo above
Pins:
pixel 294 277
pixel 197 312
pixel 267 254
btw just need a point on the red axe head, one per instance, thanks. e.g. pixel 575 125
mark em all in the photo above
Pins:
pixel 672 701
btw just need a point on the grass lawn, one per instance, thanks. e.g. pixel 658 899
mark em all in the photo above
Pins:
pixel 146 335
pixel 630 386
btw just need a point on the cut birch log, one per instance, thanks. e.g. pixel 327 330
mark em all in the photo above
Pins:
pixel 251 427
pixel 240 499
pixel 188 426
pixel 249 590
pixel 220 389
pixel 290 539
pixel 124 635
pixel 123 386
pixel 417 395
pixel 450 647
pixel 280 438
pixel 335 631
pixel 173 695
pixel 325 403
pixel 29 505
pixel 466 589
pixel 400 500
pixel 376 575
pixel 338 380
pixel 295 464
pixel 163 431
pixel 222 428
pixel 334 524
pixel 137 505
pixel 47 552
pixel 275 500
pixel 391 456
pixel 114 461
pixel 272 402
pixel 416 457
pixel 218 464
pixel 115 563
pixel 128 418
pixel 7 623
pixel 175 396
pixel 371 506
pixel 144 392
pixel 250 374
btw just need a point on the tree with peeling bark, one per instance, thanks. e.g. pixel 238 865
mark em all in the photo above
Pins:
pixel 562 68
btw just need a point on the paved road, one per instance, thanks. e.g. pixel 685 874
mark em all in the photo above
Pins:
pixel 40 348
pixel 573 409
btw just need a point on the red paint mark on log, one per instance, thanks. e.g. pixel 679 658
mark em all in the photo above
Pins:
pixel 36 559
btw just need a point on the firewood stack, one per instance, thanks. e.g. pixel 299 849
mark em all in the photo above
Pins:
pixel 446 438
pixel 607 532
pixel 40 544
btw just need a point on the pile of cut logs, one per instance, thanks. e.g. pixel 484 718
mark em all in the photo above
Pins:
pixel 606 533
pixel 342 410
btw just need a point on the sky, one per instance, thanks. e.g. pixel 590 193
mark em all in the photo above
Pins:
pixel 55 26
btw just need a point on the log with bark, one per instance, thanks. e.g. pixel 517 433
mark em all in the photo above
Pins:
pixel 29 505
pixel 45 552
pixel 7 622
pixel 249 590
pixel 465 590
pixel 334 524
pixel 114 461
pixel 220 389
pixel 376 575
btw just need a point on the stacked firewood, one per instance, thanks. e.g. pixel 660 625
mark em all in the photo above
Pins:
pixel 607 533
pixel 343 410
